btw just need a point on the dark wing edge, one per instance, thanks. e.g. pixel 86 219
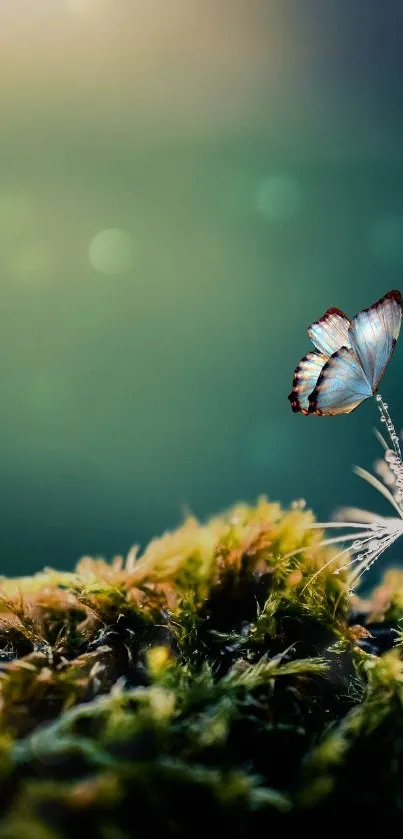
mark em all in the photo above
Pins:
pixel 299 378
pixel 395 297
pixel 332 311
pixel 391 295
pixel 330 332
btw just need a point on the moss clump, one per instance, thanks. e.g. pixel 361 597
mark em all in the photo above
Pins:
pixel 205 684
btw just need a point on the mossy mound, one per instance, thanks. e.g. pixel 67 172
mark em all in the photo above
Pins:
pixel 209 684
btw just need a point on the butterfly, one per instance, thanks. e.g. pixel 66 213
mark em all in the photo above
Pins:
pixel 350 359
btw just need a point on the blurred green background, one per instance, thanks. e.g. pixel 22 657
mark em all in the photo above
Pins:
pixel 185 186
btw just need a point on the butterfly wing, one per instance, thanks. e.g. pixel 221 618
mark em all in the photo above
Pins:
pixel 305 377
pixel 330 332
pixel 373 334
pixel 341 386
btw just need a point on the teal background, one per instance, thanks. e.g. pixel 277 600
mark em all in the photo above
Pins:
pixel 250 153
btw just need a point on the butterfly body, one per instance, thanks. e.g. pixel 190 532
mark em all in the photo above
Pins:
pixel 350 358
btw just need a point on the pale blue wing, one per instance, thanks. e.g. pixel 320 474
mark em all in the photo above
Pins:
pixel 305 377
pixel 341 386
pixel 373 334
pixel 330 332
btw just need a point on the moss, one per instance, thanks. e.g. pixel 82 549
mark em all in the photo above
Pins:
pixel 209 681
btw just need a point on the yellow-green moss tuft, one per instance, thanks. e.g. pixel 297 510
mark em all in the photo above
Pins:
pixel 207 683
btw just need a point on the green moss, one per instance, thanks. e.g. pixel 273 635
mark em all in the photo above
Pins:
pixel 208 682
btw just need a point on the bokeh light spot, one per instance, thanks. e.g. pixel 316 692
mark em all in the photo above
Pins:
pixel 278 197
pixel 111 252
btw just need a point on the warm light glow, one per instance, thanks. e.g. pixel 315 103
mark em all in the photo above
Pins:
pixel 86 8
